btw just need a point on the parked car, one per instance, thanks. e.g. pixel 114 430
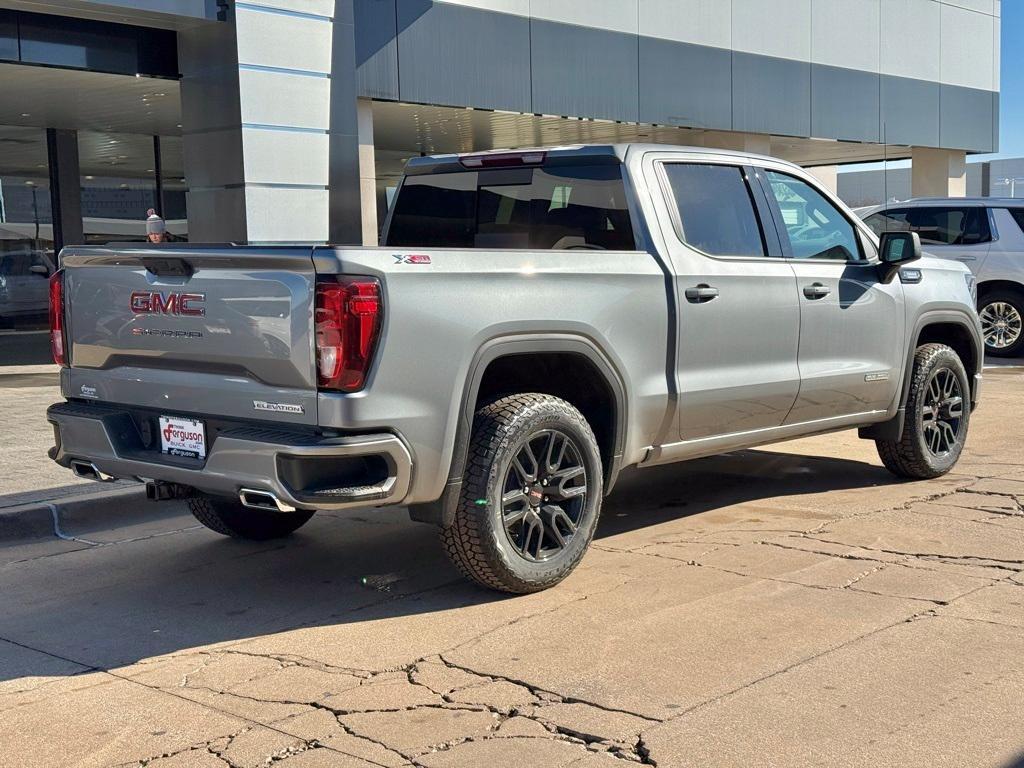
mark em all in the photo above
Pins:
pixel 536 322
pixel 985 234
pixel 23 284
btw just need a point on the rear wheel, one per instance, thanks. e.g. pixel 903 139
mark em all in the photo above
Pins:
pixel 531 495
pixel 230 518
pixel 1002 322
pixel 937 416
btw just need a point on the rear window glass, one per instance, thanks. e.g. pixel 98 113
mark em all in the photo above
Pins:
pixel 551 207
pixel 936 226
pixel 1018 216
pixel 716 212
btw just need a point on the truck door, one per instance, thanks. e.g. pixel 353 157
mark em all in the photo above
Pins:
pixel 852 325
pixel 738 321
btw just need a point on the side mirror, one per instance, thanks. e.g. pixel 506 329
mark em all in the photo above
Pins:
pixel 896 249
pixel 39 269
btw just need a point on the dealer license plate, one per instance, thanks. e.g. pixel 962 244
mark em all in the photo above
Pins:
pixel 182 437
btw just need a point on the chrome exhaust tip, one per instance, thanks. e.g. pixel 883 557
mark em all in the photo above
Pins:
pixel 255 499
pixel 88 471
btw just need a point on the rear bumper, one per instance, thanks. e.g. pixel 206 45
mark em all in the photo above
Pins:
pixel 302 470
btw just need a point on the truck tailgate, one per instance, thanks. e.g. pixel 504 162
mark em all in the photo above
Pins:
pixel 214 330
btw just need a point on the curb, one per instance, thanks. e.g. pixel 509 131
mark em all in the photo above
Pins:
pixel 55 517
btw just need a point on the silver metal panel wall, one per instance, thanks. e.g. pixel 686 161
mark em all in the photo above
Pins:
pixel 842 69
pixel 377 48
pixel 460 56
pixel 966 116
pixel 771 95
pixel 582 71
pixel 685 84
pixel 910 111
pixel 845 103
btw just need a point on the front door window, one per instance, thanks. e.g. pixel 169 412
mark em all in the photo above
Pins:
pixel 815 228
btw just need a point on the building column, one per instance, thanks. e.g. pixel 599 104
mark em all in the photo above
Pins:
pixel 368 174
pixel 755 143
pixel 65 188
pixel 938 172
pixel 828 175
pixel 270 127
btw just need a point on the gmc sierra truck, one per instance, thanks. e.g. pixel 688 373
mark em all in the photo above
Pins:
pixel 536 322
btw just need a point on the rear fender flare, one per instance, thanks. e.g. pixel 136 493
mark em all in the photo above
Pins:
pixel 442 511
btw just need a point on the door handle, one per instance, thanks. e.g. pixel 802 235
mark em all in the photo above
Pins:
pixel 966 258
pixel 816 291
pixel 701 293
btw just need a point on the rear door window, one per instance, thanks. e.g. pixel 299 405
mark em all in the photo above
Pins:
pixel 945 225
pixel 1018 216
pixel 715 209
pixel 548 207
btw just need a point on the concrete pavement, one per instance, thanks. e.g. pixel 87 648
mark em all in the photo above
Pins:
pixel 789 606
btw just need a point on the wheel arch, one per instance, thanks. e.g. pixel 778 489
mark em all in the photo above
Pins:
pixel 989 286
pixel 492 374
pixel 955 329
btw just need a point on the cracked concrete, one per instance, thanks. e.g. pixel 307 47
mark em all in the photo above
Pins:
pixel 788 606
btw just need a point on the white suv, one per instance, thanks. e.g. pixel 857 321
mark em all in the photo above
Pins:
pixel 987 235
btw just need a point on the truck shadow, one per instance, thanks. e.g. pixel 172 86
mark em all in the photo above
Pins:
pixel 363 579
pixel 657 495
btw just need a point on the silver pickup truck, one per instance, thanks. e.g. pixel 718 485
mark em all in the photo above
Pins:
pixel 536 322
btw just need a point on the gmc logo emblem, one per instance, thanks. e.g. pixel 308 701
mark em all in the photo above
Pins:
pixel 157 303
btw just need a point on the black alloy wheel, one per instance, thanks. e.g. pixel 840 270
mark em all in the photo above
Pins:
pixel 545 493
pixel 942 413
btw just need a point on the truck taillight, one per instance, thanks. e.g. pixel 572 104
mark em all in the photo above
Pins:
pixel 347 321
pixel 58 342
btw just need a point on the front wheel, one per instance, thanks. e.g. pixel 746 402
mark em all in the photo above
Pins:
pixel 230 518
pixel 531 495
pixel 1002 323
pixel 937 416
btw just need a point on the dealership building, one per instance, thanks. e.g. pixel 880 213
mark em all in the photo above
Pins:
pixel 290 120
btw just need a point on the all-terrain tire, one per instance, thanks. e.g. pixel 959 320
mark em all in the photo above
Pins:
pixel 911 456
pixel 477 541
pixel 1014 299
pixel 230 518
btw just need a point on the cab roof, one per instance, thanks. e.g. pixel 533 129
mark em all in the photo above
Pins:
pixel 573 154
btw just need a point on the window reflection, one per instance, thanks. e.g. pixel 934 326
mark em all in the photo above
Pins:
pixel 119 186
pixel 26 244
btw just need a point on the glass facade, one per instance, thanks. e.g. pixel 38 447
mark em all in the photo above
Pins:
pixel 98 46
pixel 123 176
pixel 26 230
pixel 121 184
